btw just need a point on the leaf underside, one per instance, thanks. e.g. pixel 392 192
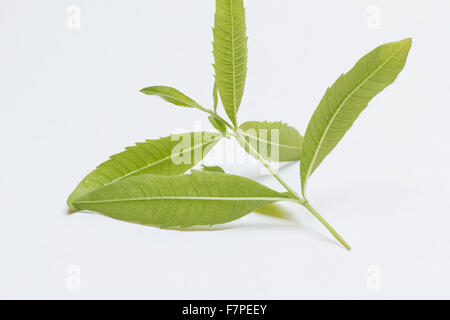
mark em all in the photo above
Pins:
pixel 152 156
pixel 346 99
pixel 275 141
pixel 200 198
pixel 230 54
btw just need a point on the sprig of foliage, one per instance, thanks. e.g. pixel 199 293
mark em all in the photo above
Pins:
pixel 147 183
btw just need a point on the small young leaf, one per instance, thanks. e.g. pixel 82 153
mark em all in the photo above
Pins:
pixel 230 54
pixel 275 141
pixel 219 125
pixel 212 169
pixel 201 198
pixel 346 99
pixel 166 156
pixel 173 96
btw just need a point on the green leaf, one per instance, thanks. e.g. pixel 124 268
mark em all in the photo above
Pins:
pixel 172 155
pixel 212 169
pixel 230 54
pixel 173 96
pixel 219 125
pixel 275 141
pixel 346 99
pixel 201 198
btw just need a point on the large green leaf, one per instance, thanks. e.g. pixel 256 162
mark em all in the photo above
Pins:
pixel 346 99
pixel 173 96
pixel 275 141
pixel 201 198
pixel 165 156
pixel 230 54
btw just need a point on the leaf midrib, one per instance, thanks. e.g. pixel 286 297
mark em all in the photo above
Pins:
pixel 186 198
pixel 316 152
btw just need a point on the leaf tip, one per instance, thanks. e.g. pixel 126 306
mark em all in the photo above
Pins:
pixel 70 203
pixel 71 211
pixel 407 42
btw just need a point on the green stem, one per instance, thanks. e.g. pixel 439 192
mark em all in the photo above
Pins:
pixel 327 225
pixel 293 194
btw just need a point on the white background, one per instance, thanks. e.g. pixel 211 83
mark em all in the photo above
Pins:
pixel 69 99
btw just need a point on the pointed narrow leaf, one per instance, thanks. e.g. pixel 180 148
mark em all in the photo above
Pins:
pixel 346 99
pixel 172 155
pixel 275 141
pixel 201 198
pixel 173 96
pixel 230 54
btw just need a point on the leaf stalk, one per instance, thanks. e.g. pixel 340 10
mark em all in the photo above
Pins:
pixel 327 225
